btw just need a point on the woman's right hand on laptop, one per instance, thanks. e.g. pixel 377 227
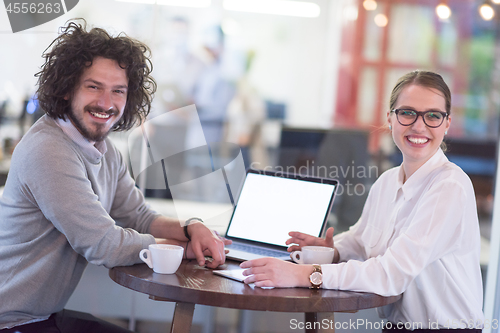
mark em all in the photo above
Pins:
pixel 300 239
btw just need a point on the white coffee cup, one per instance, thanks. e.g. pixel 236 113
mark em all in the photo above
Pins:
pixel 162 258
pixel 313 255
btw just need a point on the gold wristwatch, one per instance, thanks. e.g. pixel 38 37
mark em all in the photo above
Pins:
pixel 316 277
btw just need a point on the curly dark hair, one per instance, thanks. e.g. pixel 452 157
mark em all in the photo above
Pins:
pixel 73 51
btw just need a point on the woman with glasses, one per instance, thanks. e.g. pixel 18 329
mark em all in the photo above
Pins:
pixel 418 234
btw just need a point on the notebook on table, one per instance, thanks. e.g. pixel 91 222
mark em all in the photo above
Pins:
pixel 270 205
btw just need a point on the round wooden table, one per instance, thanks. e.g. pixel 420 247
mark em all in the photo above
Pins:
pixel 193 284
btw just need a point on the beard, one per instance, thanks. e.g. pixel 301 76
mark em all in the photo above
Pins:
pixel 100 132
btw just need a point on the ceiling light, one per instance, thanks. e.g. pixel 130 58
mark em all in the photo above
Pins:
pixel 496 1
pixel 443 11
pixel 179 3
pixel 151 2
pixel 371 4
pixel 381 20
pixel 486 11
pixel 185 3
pixel 277 7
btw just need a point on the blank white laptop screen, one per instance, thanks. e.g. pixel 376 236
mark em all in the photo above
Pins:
pixel 269 207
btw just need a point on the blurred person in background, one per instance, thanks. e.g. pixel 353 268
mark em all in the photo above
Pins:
pixel 246 114
pixel 213 91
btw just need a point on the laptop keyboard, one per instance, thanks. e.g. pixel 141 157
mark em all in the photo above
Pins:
pixel 257 250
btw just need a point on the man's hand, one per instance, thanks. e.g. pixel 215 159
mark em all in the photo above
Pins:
pixel 206 242
pixel 273 272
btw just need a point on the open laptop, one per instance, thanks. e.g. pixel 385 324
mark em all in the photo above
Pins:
pixel 270 205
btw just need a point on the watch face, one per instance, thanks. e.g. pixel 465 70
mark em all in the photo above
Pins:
pixel 316 278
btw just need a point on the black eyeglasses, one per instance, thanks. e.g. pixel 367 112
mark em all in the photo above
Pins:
pixel 432 119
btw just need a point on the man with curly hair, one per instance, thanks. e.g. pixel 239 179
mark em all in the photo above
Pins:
pixel 69 198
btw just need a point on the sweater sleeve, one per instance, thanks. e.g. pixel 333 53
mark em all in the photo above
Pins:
pixel 54 177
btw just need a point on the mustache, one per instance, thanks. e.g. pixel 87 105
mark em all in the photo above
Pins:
pixel 98 109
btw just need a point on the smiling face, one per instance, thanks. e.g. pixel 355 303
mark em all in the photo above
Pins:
pixel 99 99
pixel 418 142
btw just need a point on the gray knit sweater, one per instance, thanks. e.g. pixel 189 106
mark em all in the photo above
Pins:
pixel 60 209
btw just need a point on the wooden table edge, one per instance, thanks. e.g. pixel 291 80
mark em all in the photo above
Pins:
pixel 237 301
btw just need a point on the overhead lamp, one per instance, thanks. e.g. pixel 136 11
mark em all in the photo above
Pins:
pixel 178 3
pixel 496 2
pixel 381 20
pixel 443 11
pixel 371 4
pixel 149 2
pixel 185 3
pixel 276 7
pixel 486 11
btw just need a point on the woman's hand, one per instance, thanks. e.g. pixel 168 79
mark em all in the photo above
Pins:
pixel 272 272
pixel 307 240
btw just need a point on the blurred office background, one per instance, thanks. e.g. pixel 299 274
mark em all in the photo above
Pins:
pixel 298 86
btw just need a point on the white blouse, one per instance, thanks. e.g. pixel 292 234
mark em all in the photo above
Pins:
pixel 420 238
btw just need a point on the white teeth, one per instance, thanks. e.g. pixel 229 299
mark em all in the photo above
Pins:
pixel 100 115
pixel 418 141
